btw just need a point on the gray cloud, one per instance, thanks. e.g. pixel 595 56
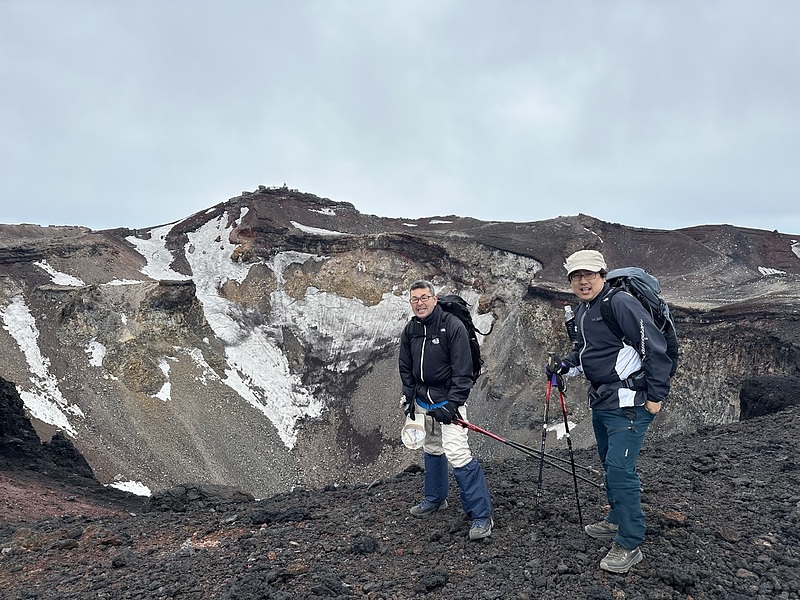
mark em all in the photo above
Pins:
pixel 657 115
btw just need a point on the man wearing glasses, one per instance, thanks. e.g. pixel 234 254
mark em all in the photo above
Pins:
pixel 436 373
pixel 629 379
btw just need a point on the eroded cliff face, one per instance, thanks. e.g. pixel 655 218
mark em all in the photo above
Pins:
pixel 255 344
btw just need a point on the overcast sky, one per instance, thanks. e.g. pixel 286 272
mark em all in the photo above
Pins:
pixel 660 114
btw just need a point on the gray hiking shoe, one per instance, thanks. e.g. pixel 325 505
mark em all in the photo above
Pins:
pixel 603 530
pixel 619 559
pixel 481 528
pixel 427 507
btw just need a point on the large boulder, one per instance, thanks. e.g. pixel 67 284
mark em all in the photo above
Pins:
pixel 188 497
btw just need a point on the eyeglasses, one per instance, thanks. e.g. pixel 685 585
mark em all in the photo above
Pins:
pixel 578 275
pixel 425 298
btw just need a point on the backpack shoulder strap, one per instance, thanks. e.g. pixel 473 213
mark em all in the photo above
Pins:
pixel 474 347
pixel 608 314
pixel 446 316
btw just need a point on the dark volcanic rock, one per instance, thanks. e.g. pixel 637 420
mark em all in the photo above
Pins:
pixel 51 478
pixel 765 395
pixel 193 496
pixel 722 505
pixel 20 444
pixel 17 436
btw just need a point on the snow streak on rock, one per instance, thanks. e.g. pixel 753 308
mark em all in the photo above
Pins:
pixel 196 355
pixel 323 211
pixel 42 398
pixel 134 487
pixel 158 257
pixel 768 271
pixel 316 230
pixel 58 277
pixel 259 370
pixel 344 327
pixel 166 389
pixel 114 282
pixel 96 352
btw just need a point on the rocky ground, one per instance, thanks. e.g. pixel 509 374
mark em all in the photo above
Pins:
pixel 723 509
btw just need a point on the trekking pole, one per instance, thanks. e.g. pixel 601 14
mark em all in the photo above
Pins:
pixel 561 387
pixel 544 441
pixel 531 452
pixel 517 446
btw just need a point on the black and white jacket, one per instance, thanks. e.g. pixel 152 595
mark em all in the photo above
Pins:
pixel 622 373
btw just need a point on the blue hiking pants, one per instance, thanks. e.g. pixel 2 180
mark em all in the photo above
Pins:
pixel 619 434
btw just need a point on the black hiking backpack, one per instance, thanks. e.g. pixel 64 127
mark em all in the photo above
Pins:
pixel 455 305
pixel 646 289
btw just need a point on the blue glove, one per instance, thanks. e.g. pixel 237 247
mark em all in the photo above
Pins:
pixel 446 414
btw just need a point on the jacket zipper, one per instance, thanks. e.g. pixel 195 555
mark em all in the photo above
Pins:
pixel 580 356
pixel 583 333
pixel 422 354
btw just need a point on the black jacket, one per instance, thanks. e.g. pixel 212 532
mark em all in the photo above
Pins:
pixel 607 361
pixel 435 359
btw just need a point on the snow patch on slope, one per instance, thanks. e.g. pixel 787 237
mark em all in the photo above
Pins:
pixel 115 282
pixel 155 252
pixel 96 352
pixel 58 277
pixel 259 370
pixel 316 230
pixel 133 487
pixel 324 211
pixel 767 271
pixel 166 390
pixel 345 327
pixel 42 397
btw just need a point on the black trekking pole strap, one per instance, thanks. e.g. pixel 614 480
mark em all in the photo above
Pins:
pixel 531 452
pixel 517 445
pixel 535 454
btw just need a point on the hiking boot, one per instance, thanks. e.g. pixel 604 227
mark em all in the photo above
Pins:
pixel 619 559
pixel 602 530
pixel 481 528
pixel 427 507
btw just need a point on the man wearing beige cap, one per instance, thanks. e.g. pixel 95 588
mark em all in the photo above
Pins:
pixel 629 379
